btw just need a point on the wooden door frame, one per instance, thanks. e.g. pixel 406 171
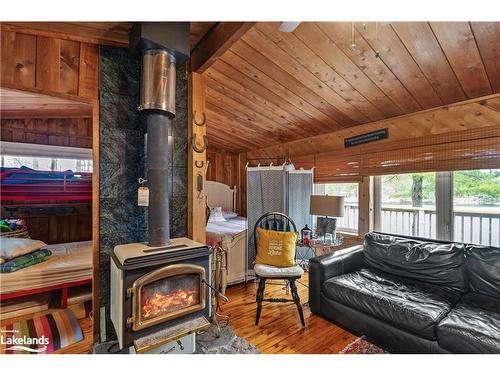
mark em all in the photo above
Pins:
pixel 94 103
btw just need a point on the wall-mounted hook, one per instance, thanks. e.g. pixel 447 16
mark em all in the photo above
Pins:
pixel 203 119
pixel 199 163
pixel 195 147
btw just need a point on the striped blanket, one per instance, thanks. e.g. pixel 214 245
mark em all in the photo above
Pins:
pixel 24 261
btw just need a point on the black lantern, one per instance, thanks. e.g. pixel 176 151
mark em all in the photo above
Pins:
pixel 306 234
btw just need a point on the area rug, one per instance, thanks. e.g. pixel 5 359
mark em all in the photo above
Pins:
pixel 362 345
pixel 42 334
pixel 227 343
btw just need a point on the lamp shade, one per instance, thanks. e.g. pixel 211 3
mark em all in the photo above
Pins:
pixel 327 205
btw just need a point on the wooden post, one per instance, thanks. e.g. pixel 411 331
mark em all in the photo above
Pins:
pixel 197 162
pixel 365 220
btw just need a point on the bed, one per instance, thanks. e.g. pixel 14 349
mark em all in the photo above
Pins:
pixel 229 235
pixel 69 265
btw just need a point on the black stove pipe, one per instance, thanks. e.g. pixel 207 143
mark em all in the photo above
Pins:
pixel 161 45
pixel 157 178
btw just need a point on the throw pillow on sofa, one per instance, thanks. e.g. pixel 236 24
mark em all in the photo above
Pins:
pixel 276 248
pixel 430 262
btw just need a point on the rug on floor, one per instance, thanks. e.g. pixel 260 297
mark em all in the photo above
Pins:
pixel 227 343
pixel 362 345
pixel 206 343
pixel 41 334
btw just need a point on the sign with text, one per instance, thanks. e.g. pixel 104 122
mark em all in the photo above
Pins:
pixel 366 138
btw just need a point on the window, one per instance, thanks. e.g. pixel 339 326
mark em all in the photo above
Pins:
pixel 46 157
pixel 47 164
pixel 462 206
pixel 408 205
pixel 348 223
pixel 476 206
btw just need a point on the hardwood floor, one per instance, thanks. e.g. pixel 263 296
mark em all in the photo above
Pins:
pixel 279 329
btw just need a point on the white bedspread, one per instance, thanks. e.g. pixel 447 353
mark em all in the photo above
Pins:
pixel 226 230
pixel 69 262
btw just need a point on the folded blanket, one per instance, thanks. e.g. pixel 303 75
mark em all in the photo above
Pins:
pixel 24 261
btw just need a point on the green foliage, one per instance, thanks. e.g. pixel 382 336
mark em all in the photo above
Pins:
pixel 482 186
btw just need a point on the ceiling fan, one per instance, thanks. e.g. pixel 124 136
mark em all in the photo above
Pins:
pixel 288 27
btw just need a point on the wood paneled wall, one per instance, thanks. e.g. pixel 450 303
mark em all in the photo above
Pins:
pixel 223 167
pixel 229 168
pixel 74 132
pixel 49 64
pixel 76 225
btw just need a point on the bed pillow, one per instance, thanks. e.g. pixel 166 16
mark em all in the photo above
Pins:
pixel 229 214
pixel 15 247
pixel 216 215
pixel 276 248
pixel 24 261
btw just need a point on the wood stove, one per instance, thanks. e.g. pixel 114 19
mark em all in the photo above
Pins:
pixel 154 288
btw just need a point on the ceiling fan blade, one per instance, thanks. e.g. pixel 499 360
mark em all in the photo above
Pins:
pixel 288 27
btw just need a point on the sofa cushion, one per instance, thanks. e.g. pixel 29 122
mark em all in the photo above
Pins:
pixel 425 261
pixel 408 305
pixel 483 266
pixel 472 326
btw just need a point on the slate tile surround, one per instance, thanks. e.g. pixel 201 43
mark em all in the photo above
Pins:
pixel 122 161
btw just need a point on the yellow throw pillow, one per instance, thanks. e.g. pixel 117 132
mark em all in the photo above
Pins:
pixel 276 248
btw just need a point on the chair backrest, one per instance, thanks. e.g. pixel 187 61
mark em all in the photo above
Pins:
pixel 274 221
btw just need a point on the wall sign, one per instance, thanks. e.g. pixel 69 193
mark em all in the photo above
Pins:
pixel 366 138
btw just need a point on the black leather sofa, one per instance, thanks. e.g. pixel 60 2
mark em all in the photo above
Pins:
pixel 412 295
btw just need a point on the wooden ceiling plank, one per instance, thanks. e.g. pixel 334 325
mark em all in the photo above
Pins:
pixel 318 121
pixel 289 84
pixel 375 69
pixel 382 38
pixel 487 35
pixel 458 43
pixel 420 41
pixel 242 127
pixel 232 124
pixel 301 76
pixel 313 63
pixel 246 113
pixel 311 35
pixel 275 111
pixel 308 122
pixel 217 41
pixel 469 115
pixel 232 140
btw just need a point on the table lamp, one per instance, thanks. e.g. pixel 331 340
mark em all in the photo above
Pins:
pixel 328 208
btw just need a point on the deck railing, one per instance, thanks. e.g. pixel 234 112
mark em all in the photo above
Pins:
pixel 471 225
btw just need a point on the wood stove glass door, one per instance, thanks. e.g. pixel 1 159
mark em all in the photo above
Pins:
pixel 167 293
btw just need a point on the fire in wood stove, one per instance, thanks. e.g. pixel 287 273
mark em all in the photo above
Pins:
pixel 168 295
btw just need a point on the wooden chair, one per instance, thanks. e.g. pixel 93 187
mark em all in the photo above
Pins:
pixel 278 222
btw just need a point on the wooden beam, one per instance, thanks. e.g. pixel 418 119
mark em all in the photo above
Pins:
pixel 196 199
pixel 217 41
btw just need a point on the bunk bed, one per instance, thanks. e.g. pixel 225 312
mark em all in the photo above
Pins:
pixel 45 191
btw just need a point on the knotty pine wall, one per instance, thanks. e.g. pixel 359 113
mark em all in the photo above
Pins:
pixel 229 168
pixel 50 66
pixel 73 132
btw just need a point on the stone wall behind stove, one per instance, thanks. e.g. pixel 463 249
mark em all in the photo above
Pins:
pixel 122 161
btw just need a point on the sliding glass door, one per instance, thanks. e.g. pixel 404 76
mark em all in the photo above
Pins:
pixel 461 206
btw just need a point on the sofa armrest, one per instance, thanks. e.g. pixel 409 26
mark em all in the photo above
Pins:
pixel 323 267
